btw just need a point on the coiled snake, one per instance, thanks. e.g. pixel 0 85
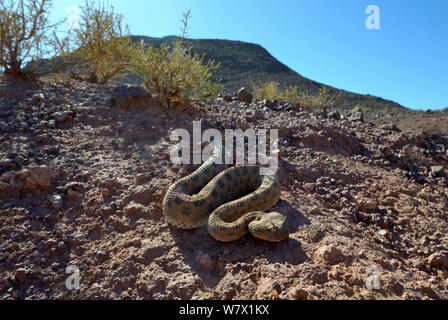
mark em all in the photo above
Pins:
pixel 230 201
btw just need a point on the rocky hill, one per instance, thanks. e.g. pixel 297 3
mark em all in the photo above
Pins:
pixel 243 64
pixel 82 181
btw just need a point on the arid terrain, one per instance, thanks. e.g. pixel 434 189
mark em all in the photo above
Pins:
pixel 83 177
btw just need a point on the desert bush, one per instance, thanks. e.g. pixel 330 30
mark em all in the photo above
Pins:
pixel 101 44
pixel 271 90
pixel 176 74
pixel 24 29
pixel 268 90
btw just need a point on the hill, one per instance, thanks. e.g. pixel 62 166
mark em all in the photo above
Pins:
pixel 245 63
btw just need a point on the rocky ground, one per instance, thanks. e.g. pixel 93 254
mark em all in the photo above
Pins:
pixel 82 182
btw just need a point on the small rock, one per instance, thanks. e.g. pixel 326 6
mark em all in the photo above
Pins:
pixel 21 275
pixel 244 95
pixel 258 114
pixel 74 194
pixel 356 115
pixel 101 255
pixel 206 261
pixel 438 259
pixel 227 98
pixel 4 246
pixel 61 116
pixel 298 294
pixel 437 171
pixel 383 232
pixel 133 208
pixel 56 201
pixel 390 127
pixel 335 115
pixel 61 246
pixel 4 127
pixel 130 96
pixel 41 175
pixel 38 97
pixel 7 163
pixel 270 103
pixel 329 254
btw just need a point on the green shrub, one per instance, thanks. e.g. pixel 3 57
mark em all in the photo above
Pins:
pixel 24 30
pixel 101 44
pixel 175 74
pixel 270 90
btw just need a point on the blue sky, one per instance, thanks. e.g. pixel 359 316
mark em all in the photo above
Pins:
pixel 406 60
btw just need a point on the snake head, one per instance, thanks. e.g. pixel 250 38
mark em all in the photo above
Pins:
pixel 269 226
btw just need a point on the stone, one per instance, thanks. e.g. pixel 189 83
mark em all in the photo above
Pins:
pixel 133 208
pixel 438 259
pixel 243 95
pixel 38 97
pixel 206 261
pixel 56 201
pixel 390 127
pixel 383 232
pixel 4 127
pixel 258 114
pixel 130 96
pixel 335 115
pixel 61 246
pixel 5 162
pixel 437 171
pixel 227 98
pixel 41 175
pixel 21 274
pixel 356 115
pixel 61 116
pixel 269 103
pixel 329 254
pixel 74 194
pixel 6 176
pixel 298 294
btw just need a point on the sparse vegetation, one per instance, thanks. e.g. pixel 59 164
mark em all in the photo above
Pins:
pixel 101 43
pixel 175 74
pixel 24 28
pixel 271 90
pixel 363 107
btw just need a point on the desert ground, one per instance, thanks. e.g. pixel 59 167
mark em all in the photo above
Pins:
pixel 83 177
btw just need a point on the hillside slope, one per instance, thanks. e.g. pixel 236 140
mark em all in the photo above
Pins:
pixel 82 184
pixel 244 63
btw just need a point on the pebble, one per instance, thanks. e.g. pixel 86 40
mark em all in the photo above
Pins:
pixel 6 163
pixel 21 275
pixel 38 97
pixel 383 232
pixel 437 171
pixel 4 127
pixel 56 201
pixel 61 116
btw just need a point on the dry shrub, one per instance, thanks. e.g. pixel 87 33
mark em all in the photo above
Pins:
pixel 24 30
pixel 101 44
pixel 271 91
pixel 176 74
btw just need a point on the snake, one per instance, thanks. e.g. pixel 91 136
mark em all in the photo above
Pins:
pixel 230 201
